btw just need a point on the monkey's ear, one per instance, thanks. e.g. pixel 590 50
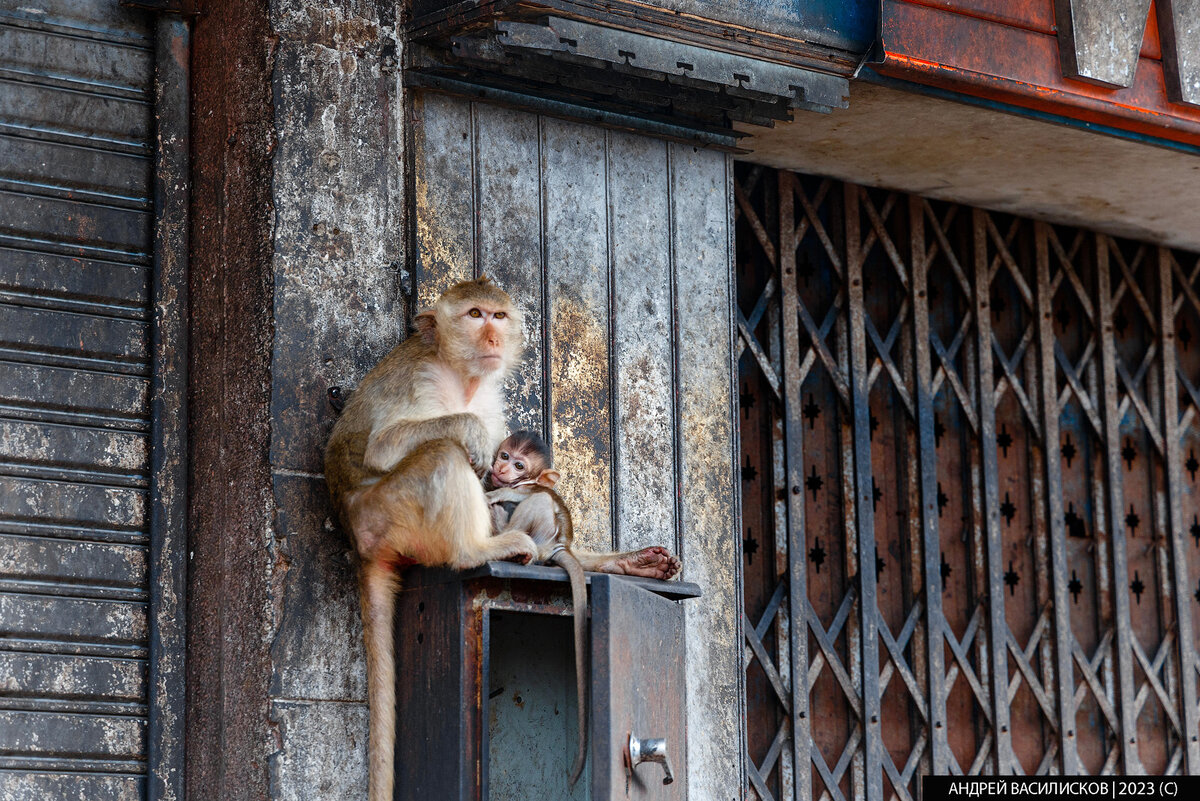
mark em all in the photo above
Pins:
pixel 426 325
pixel 547 478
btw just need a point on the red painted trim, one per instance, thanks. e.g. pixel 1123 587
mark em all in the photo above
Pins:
pixel 1030 15
pixel 1152 44
pixel 997 61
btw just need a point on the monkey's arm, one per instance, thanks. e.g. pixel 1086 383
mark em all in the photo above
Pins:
pixel 500 504
pixel 386 446
pixel 507 495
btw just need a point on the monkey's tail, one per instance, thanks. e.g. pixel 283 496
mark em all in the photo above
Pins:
pixel 378 585
pixel 567 561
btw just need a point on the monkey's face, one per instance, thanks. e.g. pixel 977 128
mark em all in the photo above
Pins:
pixel 511 466
pixel 490 329
pixel 482 332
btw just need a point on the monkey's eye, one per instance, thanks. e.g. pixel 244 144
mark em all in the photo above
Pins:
pixel 519 465
pixel 504 455
pixel 500 315
pixel 475 313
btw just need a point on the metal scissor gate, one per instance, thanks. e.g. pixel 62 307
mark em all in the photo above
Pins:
pixel 971 525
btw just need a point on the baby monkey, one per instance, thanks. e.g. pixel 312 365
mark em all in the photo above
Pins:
pixel 522 498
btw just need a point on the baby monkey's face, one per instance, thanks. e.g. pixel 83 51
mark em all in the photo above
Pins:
pixel 512 465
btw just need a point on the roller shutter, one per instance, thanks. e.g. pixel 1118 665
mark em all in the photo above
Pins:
pixel 76 253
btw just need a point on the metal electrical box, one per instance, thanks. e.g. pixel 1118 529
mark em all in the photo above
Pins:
pixel 485 696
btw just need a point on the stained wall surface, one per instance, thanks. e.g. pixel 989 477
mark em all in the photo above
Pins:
pixel 617 249
pixel 337 309
pixel 296 235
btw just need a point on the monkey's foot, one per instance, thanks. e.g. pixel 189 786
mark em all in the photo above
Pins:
pixel 654 562
pixel 514 546
pixel 519 558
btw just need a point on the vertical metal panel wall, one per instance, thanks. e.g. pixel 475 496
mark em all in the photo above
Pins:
pixel 970 480
pixel 75 366
pixel 617 249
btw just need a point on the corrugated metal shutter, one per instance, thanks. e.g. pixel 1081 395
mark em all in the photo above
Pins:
pixel 75 260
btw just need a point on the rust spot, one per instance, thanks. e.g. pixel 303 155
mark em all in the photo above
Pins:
pixel 332 242
pixel 579 355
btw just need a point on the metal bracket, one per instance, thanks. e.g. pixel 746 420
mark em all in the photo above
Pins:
pixel 804 89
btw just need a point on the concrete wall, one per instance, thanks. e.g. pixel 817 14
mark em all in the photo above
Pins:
pixel 337 309
pixel 297 235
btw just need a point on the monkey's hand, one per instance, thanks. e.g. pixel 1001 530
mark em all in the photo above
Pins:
pixel 476 438
pixel 517 547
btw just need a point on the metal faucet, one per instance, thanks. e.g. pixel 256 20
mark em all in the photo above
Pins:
pixel 650 749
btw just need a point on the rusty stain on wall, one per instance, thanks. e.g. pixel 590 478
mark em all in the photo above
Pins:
pixel 580 422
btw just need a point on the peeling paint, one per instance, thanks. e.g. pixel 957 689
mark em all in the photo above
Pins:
pixel 34 559
pixel 579 353
pixel 337 206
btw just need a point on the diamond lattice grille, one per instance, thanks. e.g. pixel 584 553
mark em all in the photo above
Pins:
pixel 971 455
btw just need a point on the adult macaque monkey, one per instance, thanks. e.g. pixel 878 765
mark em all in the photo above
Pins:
pixel 403 465
pixel 522 499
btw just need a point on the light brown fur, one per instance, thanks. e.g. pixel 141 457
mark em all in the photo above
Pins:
pixel 403 465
